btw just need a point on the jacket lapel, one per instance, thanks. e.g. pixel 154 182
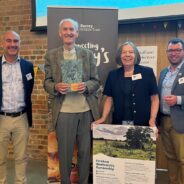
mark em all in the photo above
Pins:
pixel 78 52
pixel 179 75
pixel 22 68
pixel 23 72
pixel 0 82
pixel 162 76
pixel 85 64
pixel 0 73
pixel 59 57
pixel 121 78
pixel 137 70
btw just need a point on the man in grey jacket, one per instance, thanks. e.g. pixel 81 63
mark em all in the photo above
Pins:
pixel 71 78
pixel 171 88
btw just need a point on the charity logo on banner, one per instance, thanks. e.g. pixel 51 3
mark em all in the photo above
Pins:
pixel 124 154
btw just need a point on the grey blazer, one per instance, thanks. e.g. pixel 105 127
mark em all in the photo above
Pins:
pixel 177 111
pixel 53 76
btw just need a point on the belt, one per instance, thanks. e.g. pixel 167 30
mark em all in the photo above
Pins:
pixel 13 114
pixel 128 122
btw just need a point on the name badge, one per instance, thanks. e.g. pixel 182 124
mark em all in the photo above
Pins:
pixel 181 80
pixel 136 76
pixel 29 76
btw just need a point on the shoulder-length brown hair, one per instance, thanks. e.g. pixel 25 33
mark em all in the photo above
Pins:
pixel 136 52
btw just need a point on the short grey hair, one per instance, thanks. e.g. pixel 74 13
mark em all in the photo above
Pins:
pixel 13 32
pixel 136 52
pixel 75 23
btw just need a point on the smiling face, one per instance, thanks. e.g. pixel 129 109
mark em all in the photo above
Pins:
pixel 175 53
pixel 128 56
pixel 68 33
pixel 11 45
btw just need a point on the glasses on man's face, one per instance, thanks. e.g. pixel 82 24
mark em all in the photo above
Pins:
pixel 177 51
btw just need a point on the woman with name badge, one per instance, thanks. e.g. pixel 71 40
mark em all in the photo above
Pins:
pixel 131 89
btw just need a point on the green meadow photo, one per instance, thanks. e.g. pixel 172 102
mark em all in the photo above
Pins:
pixel 130 142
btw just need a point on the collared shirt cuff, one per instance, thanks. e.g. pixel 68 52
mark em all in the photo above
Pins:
pixel 179 100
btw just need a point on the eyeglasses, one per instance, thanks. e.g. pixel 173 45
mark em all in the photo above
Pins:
pixel 177 51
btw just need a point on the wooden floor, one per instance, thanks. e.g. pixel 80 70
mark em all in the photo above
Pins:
pixel 37 173
pixel 161 177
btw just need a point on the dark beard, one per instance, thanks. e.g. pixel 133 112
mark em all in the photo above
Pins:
pixel 176 64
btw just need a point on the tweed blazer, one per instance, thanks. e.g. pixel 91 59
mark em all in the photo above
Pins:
pixel 26 68
pixel 53 75
pixel 177 111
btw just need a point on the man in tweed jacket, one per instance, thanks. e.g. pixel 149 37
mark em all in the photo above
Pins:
pixel 74 103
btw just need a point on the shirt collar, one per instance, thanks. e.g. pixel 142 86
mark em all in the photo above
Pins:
pixel 72 51
pixel 4 59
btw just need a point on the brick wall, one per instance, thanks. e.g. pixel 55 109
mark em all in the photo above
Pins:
pixel 16 15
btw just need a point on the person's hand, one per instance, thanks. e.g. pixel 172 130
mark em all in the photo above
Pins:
pixel 152 124
pixel 62 88
pixel 155 130
pixel 99 121
pixel 81 87
pixel 170 100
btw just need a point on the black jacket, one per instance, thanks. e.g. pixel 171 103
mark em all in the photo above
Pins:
pixel 142 90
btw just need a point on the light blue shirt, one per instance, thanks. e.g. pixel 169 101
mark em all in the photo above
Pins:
pixel 167 87
pixel 12 86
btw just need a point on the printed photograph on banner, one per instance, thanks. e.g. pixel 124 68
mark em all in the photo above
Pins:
pixel 124 154
pixel 53 162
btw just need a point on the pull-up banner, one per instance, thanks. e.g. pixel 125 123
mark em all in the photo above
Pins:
pixel 98 31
